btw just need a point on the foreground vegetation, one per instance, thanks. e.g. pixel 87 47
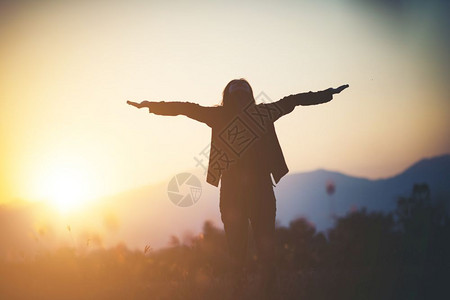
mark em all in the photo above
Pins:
pixel 404 255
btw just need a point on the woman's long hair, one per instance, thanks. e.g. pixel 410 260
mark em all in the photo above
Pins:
pixel 228 100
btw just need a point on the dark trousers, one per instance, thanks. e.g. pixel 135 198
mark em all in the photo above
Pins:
pixel 244 199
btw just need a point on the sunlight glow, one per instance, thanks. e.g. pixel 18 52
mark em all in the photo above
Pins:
pixel 67 191
pixel 69 68
pixel 66 186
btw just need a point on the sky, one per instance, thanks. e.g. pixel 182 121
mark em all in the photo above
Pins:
pixel 67 69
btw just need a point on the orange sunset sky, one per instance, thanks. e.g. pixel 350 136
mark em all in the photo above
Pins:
pixel 68 67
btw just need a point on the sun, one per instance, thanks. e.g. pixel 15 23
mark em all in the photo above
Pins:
pixel 67 191
pixel 66 186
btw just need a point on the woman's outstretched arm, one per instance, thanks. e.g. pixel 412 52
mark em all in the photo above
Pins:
pixel 194 111
pixel 313 98
pixel 288 103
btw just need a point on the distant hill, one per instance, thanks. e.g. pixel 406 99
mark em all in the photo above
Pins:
pixel 304 194
pixel 146 215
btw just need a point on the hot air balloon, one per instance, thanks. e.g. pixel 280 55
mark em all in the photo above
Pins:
pixel 331 188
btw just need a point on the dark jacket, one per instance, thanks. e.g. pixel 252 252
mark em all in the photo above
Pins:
pixel 239 136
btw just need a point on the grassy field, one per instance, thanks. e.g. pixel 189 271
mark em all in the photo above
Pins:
pixel 365 256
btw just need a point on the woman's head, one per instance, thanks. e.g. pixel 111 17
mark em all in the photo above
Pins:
pixel 237 93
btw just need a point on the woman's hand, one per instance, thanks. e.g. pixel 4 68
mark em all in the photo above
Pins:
pixel 338 90
pixel 138 105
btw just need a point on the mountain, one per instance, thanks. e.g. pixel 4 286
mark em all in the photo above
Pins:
pixel 147 215
pixel 304 194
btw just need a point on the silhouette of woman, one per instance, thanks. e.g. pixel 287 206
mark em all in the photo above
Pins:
pixel 244 152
